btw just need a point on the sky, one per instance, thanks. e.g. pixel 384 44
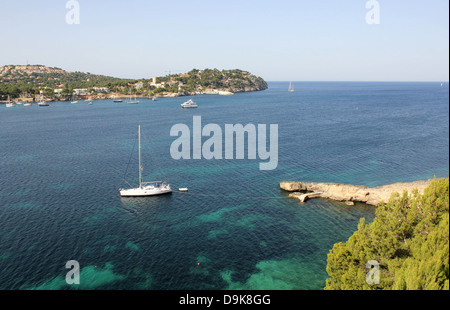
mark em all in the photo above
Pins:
pixel 314 40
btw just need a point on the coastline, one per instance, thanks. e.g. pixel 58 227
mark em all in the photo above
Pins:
pixel 221 92
pixel 350 193
pixel 61 85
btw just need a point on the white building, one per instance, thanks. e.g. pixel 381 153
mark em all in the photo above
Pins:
pixel 81 91
pixel 101 89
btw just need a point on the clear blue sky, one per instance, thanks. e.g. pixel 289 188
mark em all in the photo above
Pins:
pixel 314 40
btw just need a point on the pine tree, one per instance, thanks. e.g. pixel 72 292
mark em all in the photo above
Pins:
pixel 409 238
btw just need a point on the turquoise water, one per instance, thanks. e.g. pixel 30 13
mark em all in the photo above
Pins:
pixel 61 166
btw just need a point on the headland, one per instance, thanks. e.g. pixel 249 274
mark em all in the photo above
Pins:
pixel 350 193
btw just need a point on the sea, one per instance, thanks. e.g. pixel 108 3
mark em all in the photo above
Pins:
pixel 61 167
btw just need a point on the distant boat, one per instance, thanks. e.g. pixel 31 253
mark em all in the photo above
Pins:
pixel 27 104
pixel 74 101
pixel 131 100
pixel 291 87
pixel 189 104
pixel 145 188
pixel 43 103
pixel 117 99
pixel 9 103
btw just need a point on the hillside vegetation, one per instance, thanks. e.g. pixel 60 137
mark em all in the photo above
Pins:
pixel 31 80
pixel 409 238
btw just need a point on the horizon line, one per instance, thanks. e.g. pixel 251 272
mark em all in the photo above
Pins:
pixel 312 81
pixel 362 81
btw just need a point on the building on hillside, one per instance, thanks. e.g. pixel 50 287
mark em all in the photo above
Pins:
pixel 101 89
pixel 81 91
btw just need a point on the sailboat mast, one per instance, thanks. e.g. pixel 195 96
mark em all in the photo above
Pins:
pixel 140 167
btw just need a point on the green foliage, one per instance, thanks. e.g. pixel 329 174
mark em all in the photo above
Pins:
pixel 15 83
pixel 409 238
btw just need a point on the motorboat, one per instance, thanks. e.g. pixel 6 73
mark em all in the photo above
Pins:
pixel 189 104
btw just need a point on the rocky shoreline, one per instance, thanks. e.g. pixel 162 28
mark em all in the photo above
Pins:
pixel 350 193
pixel 125 96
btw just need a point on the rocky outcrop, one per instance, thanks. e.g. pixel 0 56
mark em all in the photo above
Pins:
pixel 350 193
pixel 20 70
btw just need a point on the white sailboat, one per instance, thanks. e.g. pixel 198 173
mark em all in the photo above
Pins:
pixel 27 103
pixel 145 188
pixel 131 100
pixel 74 101
pixel 9 103
pixel 291 87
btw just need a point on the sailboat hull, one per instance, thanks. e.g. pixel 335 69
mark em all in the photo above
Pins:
pixel 145 191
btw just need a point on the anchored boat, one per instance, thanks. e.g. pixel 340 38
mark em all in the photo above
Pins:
pixel 189 104
pixel 132 101
pixel 145 188
pixel 9 103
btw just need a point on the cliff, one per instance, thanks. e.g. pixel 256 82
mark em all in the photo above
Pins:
pixel 350 193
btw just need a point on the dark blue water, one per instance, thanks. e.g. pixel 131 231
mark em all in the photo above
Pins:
pixel 61 166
